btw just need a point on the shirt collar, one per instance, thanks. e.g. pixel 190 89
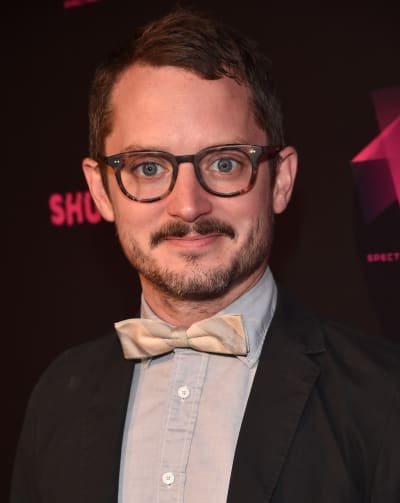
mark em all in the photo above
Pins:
pixel 257 307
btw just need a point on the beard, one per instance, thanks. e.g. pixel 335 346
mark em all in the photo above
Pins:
pixel 197 281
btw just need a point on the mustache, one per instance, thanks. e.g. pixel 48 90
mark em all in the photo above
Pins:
pixel 181 229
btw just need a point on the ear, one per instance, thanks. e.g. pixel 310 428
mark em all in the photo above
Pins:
pixel 284 180
pixel 98 192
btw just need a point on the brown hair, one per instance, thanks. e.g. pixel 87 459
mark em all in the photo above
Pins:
pixel 196 42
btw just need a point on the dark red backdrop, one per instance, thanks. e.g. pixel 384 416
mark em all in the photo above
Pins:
pixel 66 280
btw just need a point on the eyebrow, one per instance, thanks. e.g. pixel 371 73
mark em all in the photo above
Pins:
pixel 133 147
pixel 241 140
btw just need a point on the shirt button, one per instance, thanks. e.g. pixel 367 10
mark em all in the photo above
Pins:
pixel 168 478
pixel 183 392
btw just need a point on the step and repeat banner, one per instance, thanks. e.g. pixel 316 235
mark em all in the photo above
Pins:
pixel 337 247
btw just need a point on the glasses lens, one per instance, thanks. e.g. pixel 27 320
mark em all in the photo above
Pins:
pixel 226 170
pixel 146 176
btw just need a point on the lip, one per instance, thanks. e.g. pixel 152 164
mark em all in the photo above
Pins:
pixel 193 240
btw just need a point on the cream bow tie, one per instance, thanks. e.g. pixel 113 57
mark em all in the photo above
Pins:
pixel 141 338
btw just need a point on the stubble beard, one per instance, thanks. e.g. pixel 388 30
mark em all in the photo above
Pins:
pixel 198 282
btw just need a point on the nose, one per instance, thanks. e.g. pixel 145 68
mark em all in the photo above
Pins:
pixel 188 200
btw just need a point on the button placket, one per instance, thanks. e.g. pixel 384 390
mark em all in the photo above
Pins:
pixel 185 388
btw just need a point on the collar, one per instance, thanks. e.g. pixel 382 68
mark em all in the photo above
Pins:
pixel 257 307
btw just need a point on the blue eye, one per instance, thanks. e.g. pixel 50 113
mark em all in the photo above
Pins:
pixel 224 165
pixel 149 169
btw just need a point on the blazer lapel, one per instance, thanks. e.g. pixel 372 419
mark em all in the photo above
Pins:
pixel 103 429
pixel 284 379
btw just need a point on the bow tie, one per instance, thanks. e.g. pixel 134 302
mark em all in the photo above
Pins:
pixel 141 338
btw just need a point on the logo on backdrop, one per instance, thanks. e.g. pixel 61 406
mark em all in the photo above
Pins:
pixel 376 171
pixel 376 168
pixel 73 208
pixel 68 4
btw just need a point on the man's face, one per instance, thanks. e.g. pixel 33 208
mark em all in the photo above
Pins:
pixel 191 245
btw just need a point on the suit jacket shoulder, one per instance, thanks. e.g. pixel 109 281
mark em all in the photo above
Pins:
pixel 72 433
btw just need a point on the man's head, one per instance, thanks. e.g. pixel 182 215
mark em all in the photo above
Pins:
pixel 185 85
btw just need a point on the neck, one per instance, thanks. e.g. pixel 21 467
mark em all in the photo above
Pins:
pixel 183 312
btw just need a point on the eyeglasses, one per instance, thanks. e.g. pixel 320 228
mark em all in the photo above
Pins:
pixel 225 170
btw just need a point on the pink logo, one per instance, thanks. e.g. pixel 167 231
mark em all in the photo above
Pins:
pixel 77 3
pixel 376 169
pixel 384 257
pixel 73 208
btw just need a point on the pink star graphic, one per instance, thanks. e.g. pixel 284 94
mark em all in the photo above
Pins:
pixel 376 169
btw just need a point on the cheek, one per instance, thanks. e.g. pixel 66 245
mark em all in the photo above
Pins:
pixel 257 206
pixel 130 223
pixel 262 204
pixel 135 221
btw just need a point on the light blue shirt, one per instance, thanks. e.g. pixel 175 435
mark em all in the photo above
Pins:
pixel 185 411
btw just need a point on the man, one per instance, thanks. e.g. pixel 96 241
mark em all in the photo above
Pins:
pixel 265 403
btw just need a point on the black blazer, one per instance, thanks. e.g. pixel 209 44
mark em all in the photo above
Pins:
pixel 322 423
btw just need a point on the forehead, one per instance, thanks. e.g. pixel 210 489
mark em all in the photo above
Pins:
pixel 171 107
